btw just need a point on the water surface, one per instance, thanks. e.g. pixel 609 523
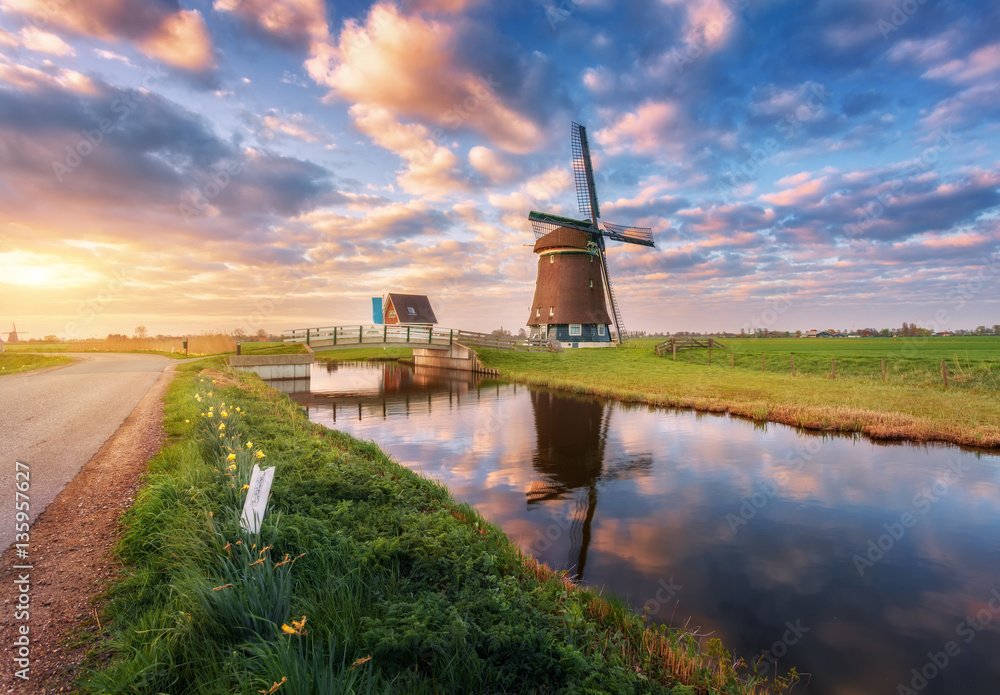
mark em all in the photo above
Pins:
pixel 858 563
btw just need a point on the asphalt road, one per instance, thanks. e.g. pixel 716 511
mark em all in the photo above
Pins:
pixel 55 420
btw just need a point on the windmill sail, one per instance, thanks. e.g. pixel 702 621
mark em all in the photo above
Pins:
pixel 595 229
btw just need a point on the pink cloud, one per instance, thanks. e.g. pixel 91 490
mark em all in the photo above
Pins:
pixel 404 65
pixel 177 37
pixel 644 131
pixel 298 23
pixel 809 191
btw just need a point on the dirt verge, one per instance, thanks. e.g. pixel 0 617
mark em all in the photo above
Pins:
pixel 71 554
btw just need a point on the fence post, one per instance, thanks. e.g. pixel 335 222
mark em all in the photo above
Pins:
pixel 407 334
pixel 430 334
pixel 944 372
pixel 307 336
pixel 674 346
pixel 833 367
pixel 883 369
pixel 763 360
pixel 334 335
pixel 792 358
pixel 732 360
pixel 361 334
pixel 451 337
pixel 385 328
pixel 689 355
pixel 709 353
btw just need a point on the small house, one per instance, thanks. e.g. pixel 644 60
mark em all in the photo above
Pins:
pixel 408 310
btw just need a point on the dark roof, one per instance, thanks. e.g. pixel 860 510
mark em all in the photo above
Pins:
pixel 411 308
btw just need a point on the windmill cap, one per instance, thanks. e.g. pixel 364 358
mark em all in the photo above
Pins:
pixel 563 237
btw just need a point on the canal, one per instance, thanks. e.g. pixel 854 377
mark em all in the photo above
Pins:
pixel 870 567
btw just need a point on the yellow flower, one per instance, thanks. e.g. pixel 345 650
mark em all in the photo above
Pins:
pixel 259 454
pixel 225 414
pixel 222 426
pixel 246 487
pixel 187 421
pixel 231 457
pixel 232 467
pixel 208 414
pixel 249 445
pixel 213 381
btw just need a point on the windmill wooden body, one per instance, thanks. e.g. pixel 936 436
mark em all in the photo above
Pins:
pixel 574 300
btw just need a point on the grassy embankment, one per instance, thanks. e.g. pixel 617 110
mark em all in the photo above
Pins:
pixel 12 362
pixel 198 345
pixel 911 404
pixel 357 354
pixel 365 577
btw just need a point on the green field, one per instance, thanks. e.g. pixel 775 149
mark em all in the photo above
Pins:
pixel 365 578
pixel 911 404
pixel 12 362
pixel 972 362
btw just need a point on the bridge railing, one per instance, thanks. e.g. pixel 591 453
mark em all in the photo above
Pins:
pixel 415 336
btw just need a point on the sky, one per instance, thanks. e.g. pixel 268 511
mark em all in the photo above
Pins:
pixel 198 166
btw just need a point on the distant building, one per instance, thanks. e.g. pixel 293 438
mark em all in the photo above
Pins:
pixel 408 310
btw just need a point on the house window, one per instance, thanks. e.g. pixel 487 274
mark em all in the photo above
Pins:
pixel 538 312
pixel 575 329
pixel 552 259
pixel 591 284
pixel 552 311
pixel 392 313
pixel 600 329
pixel 411 311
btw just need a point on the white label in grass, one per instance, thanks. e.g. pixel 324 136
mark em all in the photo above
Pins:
pixel 256 502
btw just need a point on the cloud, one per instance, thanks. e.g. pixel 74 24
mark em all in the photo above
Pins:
pixel 290 24
pixel 431 169
pixel 650 129
pixel 160 30
pixel 406 66
pixel 495 168
pixel 978 65
pixel 34 39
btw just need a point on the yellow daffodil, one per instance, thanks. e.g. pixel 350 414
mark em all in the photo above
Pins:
pixel 246 487
pixel 231 457
pixel 222 426
pixel 208 414
pixel 249 445
pixel 259 454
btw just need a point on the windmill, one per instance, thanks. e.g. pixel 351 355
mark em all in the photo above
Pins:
pixel 12 334
pixel 569 305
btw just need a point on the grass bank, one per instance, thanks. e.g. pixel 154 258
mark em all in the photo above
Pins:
pixel 365 577
pixel 917 408
pixel 13 362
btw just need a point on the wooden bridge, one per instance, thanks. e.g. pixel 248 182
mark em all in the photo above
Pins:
pixel 385 335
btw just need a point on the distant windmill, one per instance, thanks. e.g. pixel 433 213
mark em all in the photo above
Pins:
pixel 12 335
pixel 569 303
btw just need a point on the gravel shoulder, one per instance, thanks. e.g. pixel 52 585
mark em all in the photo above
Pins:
pixel 71 554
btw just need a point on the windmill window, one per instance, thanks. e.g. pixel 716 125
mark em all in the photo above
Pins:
pixel 552 259
pixel 552 311
pixel 538 312
pixel 600 330
pixel 591 284
pixel 575 329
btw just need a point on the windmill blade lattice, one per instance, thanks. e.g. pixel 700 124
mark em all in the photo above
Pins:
pixel 583 173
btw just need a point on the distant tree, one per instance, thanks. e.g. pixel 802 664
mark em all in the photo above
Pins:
pixel 261 334
pixel 141 332
pixel 798 334
pixel 51 339
pixel 522 333
pixel 500 333
pixel 239 333
pixel 980 330
pixel 996 329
